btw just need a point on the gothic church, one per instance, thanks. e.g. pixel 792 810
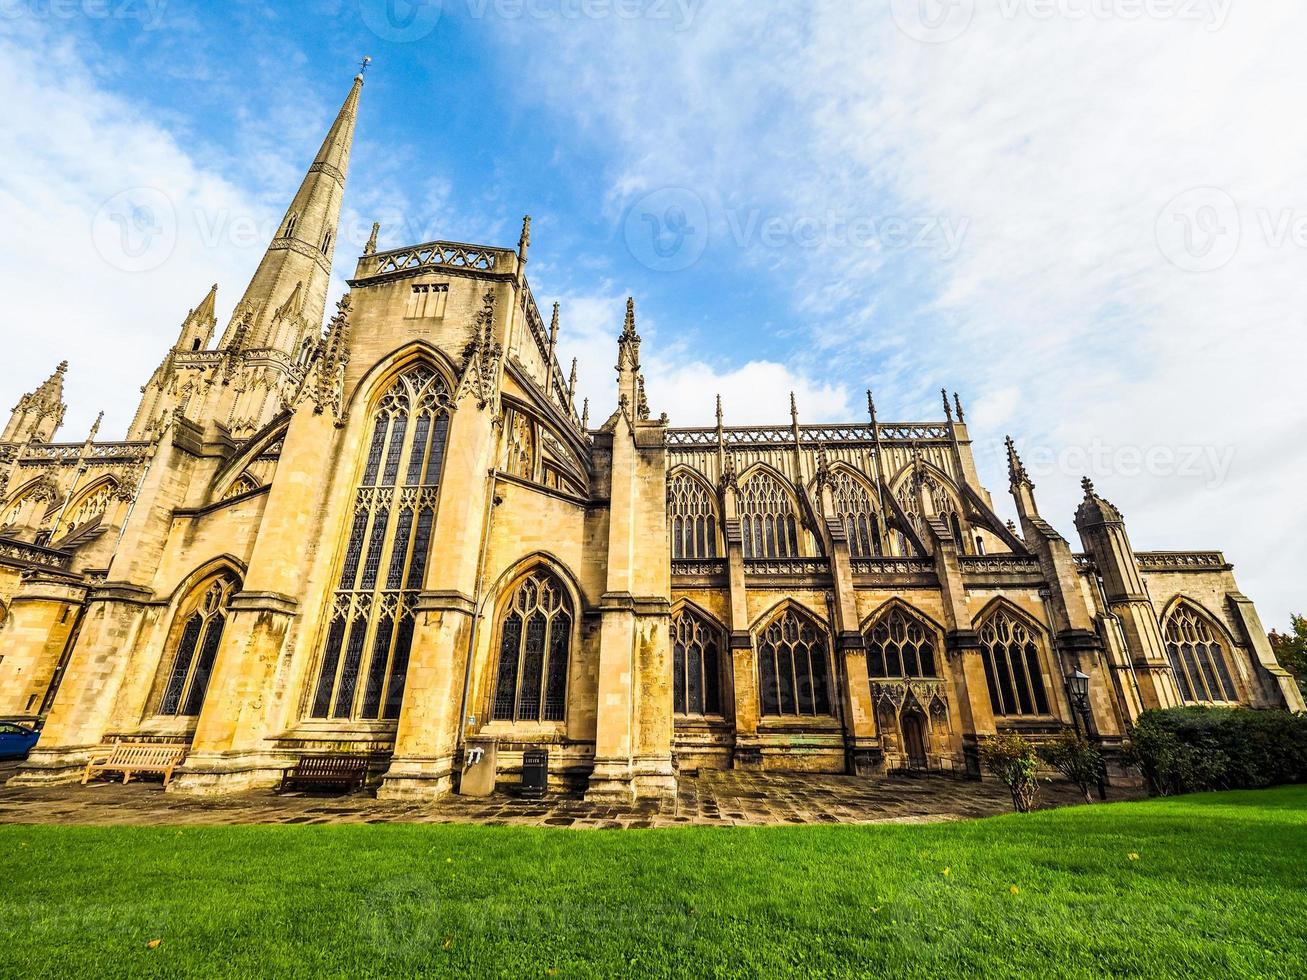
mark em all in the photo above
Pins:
pixel 395 532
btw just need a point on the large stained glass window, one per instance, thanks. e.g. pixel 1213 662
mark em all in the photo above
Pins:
pixel 856 512
pixel 535 639
pixel 1012 671
pixel 767 519
pixel 696 659
pixel 793 669
pixel 1197 657
pixel 692 518
pixel 370 626
pixel 900 645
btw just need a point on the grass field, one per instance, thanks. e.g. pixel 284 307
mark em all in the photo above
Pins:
pixel 1211 885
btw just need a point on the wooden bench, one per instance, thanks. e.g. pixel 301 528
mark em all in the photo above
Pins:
pixel 131 758
pixel 347 771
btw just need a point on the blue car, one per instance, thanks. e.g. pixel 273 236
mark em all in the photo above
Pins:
pixel 16 740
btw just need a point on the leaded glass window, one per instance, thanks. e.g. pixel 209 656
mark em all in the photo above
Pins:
pixel 370 626
pixel 534 642
pixel 197 648
pixel 1012 670
pixel 901 645
pixel 793 668
pixel 696 665
pixel 855 511
pixel 767 520
pixel 692 517
pixel 942 504
pixel 1197 657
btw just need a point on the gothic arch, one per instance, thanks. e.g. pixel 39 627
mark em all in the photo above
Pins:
pixel 533 647
pixel 1017 655
pixel 856 508
pixel 197 613
pixel 792 650
pixel 1201 652
pixel 770 528
pixel 895 650
pixel 84 495
pixel 373 384
pixel 700 648
pixel 512 576
pixel 778 608
pixel 694 518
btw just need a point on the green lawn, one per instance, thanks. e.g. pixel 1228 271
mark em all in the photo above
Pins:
pixel 1218 887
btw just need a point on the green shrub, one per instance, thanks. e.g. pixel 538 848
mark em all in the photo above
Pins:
pixel 1183 750
pixel 1013 760
pixel 1077 760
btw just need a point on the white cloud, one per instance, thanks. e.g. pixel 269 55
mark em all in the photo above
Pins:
pixel 1060 142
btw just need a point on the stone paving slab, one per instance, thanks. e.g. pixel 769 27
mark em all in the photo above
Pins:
pixel 712 798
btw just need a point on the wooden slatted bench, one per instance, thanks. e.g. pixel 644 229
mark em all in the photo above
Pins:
pixel 347 771
pixel 131 758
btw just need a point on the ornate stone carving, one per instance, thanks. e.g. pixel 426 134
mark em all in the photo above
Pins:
pixel 481 357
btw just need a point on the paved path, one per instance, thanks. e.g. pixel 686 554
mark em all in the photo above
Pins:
pixel 731 798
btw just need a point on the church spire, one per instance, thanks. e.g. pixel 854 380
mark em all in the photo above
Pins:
pixel 300 253
pixel 39 413
pixel 197 328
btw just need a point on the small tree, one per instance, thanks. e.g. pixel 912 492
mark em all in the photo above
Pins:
pixel 1013 760
pixel 1072 755
pixel 1291 649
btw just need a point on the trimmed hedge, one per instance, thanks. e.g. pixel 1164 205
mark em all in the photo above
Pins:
pixel 1183 750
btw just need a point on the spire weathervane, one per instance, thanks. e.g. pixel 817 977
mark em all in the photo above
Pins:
pixel 363 65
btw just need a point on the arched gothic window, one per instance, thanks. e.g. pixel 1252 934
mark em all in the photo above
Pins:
pixel 535 639
pixel 291 221
pixel 326 243
pixel 192 665
pixel 370 631
pixel 1012 671
pixel 519 446
pixel 856 512
pixel 793 668
pixel 767 521
pixel 692 516
pixel 696 660
pixel 1197 657
pixel 901 645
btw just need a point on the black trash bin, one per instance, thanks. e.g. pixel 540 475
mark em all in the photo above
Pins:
pixel 535 773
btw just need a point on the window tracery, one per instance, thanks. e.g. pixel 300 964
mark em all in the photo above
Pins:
pixel 197 649
pixel 692 518
pixel 534 645
pixel 1198 657
pixel 696 665
pixel 519 446
pixel 794 673
pixel 1012 667
pixel 856 513
pixel 767 520
pixel 92 505
pixel 370 631
pixel 901 645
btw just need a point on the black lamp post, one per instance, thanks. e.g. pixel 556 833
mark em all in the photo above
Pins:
pixel 1077 686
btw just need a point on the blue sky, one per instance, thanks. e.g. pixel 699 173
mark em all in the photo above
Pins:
pixel 1089 222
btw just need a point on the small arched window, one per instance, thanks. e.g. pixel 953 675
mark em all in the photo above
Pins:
pixel 371 621
pixel 1012 666
pixel 292 220
pixel 696 665
pixel 793 667
pixel 856 512
pixel 326 243
pixel 197 648
pixel 691 517
pixel 767 520
pixel 195 344
pixel 534 644
pixel 901 645
pixel 1198 657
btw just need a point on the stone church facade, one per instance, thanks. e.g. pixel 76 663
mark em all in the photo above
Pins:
pixel 397 533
